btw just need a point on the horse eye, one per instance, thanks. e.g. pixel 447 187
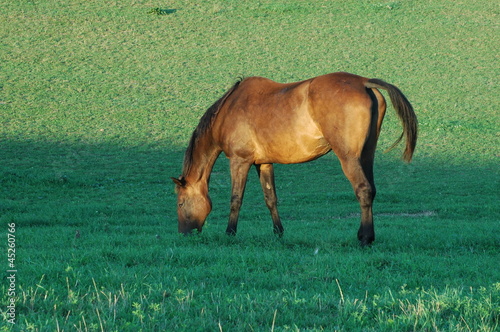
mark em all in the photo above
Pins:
pixel 180 205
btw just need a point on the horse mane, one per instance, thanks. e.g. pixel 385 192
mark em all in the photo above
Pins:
pixel 204 125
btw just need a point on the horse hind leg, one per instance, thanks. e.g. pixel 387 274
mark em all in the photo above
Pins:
pixel 357 164
pixel 365 193
pixel 266 176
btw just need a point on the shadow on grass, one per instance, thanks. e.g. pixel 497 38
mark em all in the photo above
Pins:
pixel 80 185
pixel 50 183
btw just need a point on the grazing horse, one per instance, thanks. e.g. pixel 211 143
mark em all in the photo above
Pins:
pixel 260 122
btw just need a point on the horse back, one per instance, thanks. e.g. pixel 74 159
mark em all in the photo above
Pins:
pixel 267 122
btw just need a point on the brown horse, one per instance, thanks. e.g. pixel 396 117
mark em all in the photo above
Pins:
pixel 260 122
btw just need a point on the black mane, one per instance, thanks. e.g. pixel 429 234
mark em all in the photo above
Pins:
pixel 204 125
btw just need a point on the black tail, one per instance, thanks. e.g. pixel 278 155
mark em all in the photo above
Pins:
pixel 405 113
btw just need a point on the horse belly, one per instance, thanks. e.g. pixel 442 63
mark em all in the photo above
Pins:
pixel 291 148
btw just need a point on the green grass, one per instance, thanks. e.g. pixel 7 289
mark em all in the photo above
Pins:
pixel 97 102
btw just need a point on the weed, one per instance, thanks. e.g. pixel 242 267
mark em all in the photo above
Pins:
pixel 160 11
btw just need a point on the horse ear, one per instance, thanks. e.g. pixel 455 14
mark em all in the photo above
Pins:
pixel 181 182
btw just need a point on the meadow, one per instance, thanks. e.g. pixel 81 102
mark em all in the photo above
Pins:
pixel 98 100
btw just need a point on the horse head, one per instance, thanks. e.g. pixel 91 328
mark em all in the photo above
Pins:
pixel 193 205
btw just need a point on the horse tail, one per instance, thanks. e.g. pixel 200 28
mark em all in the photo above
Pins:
pixel 405 113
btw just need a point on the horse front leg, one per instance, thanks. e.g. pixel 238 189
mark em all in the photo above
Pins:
pixel 239 174
pixel 266 176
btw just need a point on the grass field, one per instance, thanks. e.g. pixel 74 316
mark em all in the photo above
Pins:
pixel 97 103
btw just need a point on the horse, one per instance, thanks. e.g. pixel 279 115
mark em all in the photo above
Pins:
pixel 261 122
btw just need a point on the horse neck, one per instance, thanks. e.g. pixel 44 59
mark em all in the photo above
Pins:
pixel 204 154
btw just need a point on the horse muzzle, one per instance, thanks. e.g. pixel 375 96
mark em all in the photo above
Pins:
pixel 187 227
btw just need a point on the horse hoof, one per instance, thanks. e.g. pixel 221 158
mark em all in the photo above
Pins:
pixel 365 244
pixel 279 232
pixel 366 241
pixel 231 232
